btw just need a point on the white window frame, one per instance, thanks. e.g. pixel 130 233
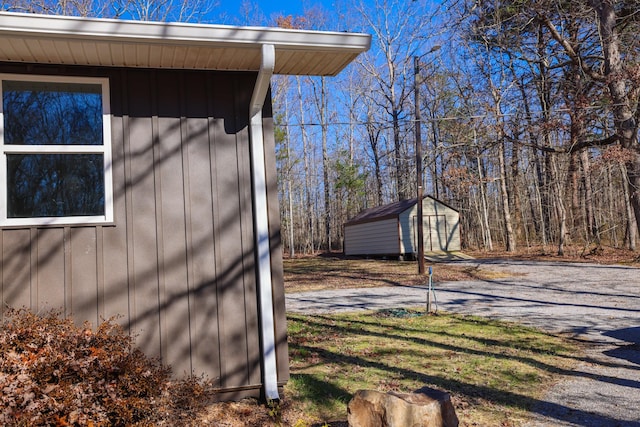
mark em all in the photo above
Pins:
pixel 104 149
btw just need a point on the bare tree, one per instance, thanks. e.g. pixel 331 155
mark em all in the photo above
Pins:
pixel 143 10
pixel 399 30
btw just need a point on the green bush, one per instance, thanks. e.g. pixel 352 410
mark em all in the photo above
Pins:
pixel 55 373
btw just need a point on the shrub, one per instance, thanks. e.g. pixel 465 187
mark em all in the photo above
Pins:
pixel 54 373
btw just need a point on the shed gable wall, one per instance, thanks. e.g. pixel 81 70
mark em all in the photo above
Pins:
pixel 440 226
pixel 178 263
pixel 442 223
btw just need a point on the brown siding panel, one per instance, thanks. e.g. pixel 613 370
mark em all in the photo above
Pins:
pixel 117 259
pixel 178 264
pixel 16 271
pixel 171 225
pixel 243 92
pixel 83 274
pixel 200 182
pixel 230 256
pixel 50 285
pixel 143 215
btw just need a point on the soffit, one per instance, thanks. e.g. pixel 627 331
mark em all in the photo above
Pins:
pixel 119 43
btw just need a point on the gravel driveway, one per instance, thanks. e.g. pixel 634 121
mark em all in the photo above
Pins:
pixel 596 303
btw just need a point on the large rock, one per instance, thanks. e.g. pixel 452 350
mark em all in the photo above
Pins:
pixel 425 407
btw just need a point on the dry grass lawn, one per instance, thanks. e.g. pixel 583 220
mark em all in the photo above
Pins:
pixel 332 272
pixel 324 357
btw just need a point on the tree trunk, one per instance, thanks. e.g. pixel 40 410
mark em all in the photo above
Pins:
pixel 506 211
pixel 578 225
pixel 624 119
pixel 310 247
pixel 560 207
pixel 289 166
pixel 399 159
pixel 486 234
pixel 632 230
pixel 325 163
pixel 373 137
pixel 435 171
pixel 592 227
pixel 514 194
pixel 633 180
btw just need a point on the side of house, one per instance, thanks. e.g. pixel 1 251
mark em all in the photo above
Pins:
pixel 175 256
pixel 138 180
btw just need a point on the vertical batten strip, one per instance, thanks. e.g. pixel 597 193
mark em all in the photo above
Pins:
pixel 33 270
pixel 128 200
pixel 100 316
pixel 68 279
pixel 2 285
pixel 160 250
pixel 188 225
pixel 216 131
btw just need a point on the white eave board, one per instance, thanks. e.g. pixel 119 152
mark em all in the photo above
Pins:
pixel 118 43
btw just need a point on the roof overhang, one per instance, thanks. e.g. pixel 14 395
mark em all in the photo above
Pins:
pixel 66 40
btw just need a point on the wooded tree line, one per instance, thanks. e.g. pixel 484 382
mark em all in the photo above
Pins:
pixel 529 122
pixel 529 116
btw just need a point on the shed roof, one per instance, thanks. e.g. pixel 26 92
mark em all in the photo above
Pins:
pixel 392 210
pixel 109 42
pixel 377 213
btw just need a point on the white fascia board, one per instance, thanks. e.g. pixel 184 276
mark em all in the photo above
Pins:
pixel 184 34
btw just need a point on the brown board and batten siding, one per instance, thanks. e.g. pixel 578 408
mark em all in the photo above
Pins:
pixel 178 264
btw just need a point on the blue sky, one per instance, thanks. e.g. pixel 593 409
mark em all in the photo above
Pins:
pixel 268 7
pixel 272 7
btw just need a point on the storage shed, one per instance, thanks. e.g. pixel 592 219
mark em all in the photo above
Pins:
pixel 138 179
pixel 390 230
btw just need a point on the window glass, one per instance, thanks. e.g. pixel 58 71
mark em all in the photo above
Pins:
pixel 38 113
pixel 54 185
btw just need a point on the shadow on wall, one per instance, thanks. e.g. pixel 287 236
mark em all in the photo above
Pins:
pixel 179 262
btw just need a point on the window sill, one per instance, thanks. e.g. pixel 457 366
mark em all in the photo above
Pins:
pixel 66 225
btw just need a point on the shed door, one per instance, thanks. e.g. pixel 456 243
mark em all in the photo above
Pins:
pixel 436 238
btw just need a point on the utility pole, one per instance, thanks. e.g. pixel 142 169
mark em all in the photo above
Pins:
pixel 418 137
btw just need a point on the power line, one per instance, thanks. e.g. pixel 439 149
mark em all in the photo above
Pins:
pixel 536 114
